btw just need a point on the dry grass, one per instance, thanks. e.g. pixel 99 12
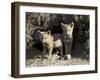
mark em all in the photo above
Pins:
pixel 38 62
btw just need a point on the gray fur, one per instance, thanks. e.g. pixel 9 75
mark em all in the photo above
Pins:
pixel 67 38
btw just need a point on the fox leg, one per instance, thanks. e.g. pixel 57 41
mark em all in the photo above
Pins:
pixel 67 52
pixel 44 52
pixel 50 52
pixel 61 50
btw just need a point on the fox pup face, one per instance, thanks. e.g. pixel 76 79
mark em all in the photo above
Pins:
pixel 44 36
pixel 67 28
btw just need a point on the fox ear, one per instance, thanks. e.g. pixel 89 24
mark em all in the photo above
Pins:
pixel 72 24
pixel 49 32
pixel 62 24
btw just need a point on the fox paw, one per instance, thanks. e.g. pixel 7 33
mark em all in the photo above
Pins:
pixel 67 57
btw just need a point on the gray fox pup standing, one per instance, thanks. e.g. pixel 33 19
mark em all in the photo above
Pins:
pixel 67 38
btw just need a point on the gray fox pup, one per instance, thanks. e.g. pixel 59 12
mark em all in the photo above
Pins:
pixel 67 38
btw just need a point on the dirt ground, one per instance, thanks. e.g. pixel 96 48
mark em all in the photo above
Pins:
pixel 34 60
pixel 38 62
